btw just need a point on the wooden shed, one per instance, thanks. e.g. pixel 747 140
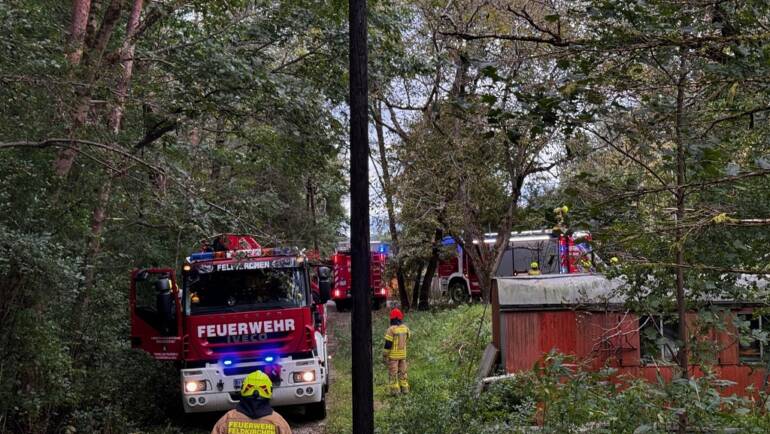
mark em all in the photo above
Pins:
pixel 582 316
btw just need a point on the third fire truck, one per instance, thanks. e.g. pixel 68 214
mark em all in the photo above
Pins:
pixel 555 253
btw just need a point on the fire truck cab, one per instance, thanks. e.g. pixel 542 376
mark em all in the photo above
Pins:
pixel 238 308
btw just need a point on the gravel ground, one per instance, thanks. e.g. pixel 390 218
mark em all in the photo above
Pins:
pixel 299 425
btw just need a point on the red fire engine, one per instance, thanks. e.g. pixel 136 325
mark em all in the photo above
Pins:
pixel 555 253
pixel 239 308
pixel 341 287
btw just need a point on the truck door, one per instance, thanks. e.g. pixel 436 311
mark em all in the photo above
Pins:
pixel 156 313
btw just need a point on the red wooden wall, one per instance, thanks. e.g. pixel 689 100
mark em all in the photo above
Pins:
pixel 603 338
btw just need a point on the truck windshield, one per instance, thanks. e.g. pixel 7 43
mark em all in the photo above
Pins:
pixel 244 290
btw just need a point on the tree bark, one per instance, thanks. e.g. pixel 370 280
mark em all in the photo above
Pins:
pixel 361 323
pixel 416 288
pixel 77 31
pixel 115 119
pixel 311 207
pixel 127 65
pixel 681 175
pixel 424 303
pixel 91 54
pixel 387 189
pixel 219 144
pixel 98 217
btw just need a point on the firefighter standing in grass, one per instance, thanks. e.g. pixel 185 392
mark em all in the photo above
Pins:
pixel 253 415
pixel 395 353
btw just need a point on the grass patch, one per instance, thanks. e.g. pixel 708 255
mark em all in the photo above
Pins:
pixel 443 356
pixel 339 417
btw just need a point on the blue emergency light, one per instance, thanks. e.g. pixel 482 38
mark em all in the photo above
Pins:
pixel 202 256
pixel 269 359
pixel 227 362
pixel 383 248
pixel 447 241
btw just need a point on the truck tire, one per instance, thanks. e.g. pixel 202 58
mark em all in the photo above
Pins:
pixel 316 410
pixel 458 291
pixel 341 305
pixel 326 383
pixel 376 304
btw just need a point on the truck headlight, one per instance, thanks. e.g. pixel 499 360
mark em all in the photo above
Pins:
pixel 303 377
pixel 195 386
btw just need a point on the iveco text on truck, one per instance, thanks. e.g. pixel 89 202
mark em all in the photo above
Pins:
pixel 238 308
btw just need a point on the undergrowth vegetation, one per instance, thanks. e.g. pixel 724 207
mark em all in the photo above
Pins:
pixel 555 397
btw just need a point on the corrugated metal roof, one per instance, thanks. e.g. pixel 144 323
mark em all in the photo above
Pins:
pixel 557 291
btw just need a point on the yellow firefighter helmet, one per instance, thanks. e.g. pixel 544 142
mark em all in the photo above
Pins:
pixel 258 382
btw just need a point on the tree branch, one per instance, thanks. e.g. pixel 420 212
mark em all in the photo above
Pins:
pixel 703 268
pixel 628 155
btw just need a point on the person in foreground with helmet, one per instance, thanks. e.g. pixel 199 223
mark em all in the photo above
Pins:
pixel 253 415
pixel 395 353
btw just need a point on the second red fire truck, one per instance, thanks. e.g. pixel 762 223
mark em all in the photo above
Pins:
pixel 341 288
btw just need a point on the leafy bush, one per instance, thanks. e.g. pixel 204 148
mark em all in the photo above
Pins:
pixel 556 396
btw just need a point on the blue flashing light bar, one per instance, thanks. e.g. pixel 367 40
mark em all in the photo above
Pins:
pixel 269 359
pixel 383 248
pixel 447 241
pixel 202 256
pixel 241 254
pixel 227 362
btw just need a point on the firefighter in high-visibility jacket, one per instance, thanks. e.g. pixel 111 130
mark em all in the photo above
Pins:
pixel 395 353
pixel 253 414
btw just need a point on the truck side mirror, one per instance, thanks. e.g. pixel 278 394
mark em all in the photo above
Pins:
pixel 324 283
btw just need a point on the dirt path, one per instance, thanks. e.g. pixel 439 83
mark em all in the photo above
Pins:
pixel 335 321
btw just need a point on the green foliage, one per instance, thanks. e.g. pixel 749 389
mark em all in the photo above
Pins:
pixel 443 356
pixel 37 278
pixel 230 125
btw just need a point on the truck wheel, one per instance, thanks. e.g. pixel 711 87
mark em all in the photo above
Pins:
pixel 376 305
pixel 458 292
pixel 341 305
pixel 316 410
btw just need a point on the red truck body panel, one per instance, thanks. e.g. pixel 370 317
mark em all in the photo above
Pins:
pixel 249 334
pixel 200 337
pixel 341 284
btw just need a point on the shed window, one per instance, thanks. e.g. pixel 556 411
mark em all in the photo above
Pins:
pixel 658 339
pixel 753 332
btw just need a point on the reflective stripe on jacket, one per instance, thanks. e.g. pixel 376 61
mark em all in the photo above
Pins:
pixel 235 422
pixel 397 335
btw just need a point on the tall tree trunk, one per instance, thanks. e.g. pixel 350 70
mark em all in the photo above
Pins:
pixel 416 288
pixel 219 144
pixel 77 30
pixel 311 207
pixel 99 214
pixel 681 179
pixel 91 54
pixel 98 217
pixel 127 67
pixel 424 303
pixel 387 189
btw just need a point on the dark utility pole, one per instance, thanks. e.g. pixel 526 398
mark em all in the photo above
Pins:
pixel 363 408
